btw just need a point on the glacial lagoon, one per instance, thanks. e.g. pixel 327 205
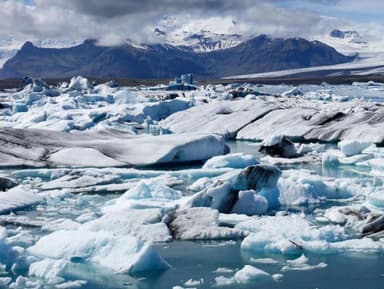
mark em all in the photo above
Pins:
pixel 124 188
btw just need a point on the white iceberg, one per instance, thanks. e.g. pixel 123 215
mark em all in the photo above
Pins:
pixel 43 147
pixel 236 161
pixel 120 254
pixel 298 187
pixel 249 274
pixel 17 198
pixel 221 117
pixel 249 203
pixel 353 147
pixel 293 233
pixel 79 83
pixel 201 224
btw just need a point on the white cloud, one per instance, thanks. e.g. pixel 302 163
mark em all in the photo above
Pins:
pixel 373 7
pixel 114 21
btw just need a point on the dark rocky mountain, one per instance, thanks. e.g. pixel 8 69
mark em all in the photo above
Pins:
pixel 260 54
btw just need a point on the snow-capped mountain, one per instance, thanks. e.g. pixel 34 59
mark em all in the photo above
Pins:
pixel 349 35
pixel 54 43
pixel 259 54
pixel 198 37
pixel 369 58
pixel 202 41
pixel 347 41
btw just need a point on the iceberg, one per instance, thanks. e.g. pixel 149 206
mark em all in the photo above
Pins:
pixel 376 199
pixel 293 234
pixel 249 273
pixel 201 224
pixel 293 123
pixel 257 177
pixel 220 117
pixel 301 264
pixel 248 191
pixel 117 168
pixel 151 190
pixel 42 148
pixel 297 187
pixel 236 161
pixel 18 198
pixel 48 269
pixel 120 254
pixel 353 147
pixel 278 145
pixel 249 203
pixel 146 224
pixel 246 275
pixel 79 83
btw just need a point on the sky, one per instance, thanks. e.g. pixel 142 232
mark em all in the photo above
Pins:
pixel 114 21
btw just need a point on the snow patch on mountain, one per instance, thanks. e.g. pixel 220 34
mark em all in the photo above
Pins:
pixel 199 35
pixel 369 57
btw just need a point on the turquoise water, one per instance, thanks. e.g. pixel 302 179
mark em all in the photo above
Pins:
pixel 200 260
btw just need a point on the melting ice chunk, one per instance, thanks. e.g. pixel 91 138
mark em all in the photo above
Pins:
pixel 121 254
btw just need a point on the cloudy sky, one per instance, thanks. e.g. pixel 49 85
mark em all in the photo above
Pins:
pixel 111 21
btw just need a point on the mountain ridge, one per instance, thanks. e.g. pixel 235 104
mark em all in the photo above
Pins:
pixel 259 54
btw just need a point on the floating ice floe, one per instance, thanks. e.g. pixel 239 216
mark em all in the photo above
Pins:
pixel 298 187
pixel 224 200
pixel 246 192
pixel 48 269
pixel 236 161
pixel 248 274
pixel 296 118
pixel 292 123
pixel 301 264
pixel 353 147
pixel 145 224
pixel 80 107
pixel 120 254
pixel 17 198
pixel 79 83
pixel 279 145
pixel 249 203
pixel 259 188
pixel 201 224
pixel 141 212
pixel 293 92
pixel 294 234
pixel 222 117
pixel 376 199
pixel 48 148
